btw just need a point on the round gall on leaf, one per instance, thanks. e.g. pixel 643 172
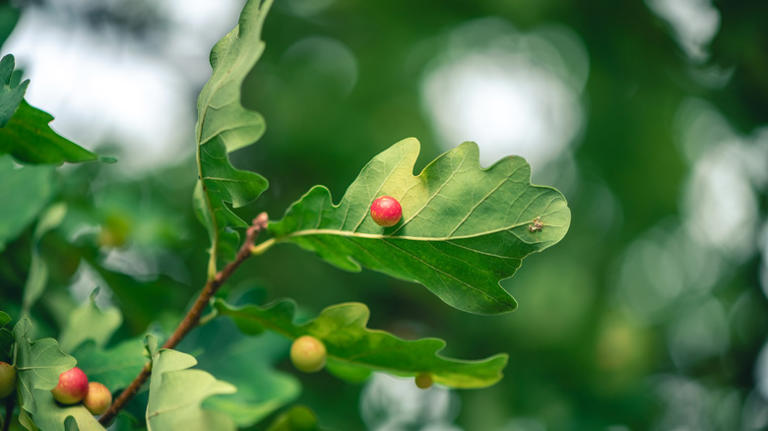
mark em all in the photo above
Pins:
pixel 7 379
pixel 308 354
pixel 72 387
pixel 423 380
pixel 386 211
pixel 98 399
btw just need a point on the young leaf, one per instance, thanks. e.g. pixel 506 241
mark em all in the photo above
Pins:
pixel 88 322
pixel 223 126
pixel 25 191
pixel 115 367
pixel 176 393
pixel 464 228
pixel 39 364
pixel 354 350
pixel 11 90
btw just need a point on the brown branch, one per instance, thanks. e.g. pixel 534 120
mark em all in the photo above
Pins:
pixel 192 317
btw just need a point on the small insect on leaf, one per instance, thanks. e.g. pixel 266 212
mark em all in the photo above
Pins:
pixel 536 226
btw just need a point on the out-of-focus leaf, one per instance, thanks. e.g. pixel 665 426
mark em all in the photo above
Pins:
pixel 298 418
pixel 463 229
pixel 24 191
pixel 143 302
pixel 88 322
pixel 11 90
pixel 9 16
pixel 223 126
pixel 349 343
pixel 114 367
pixel 39 364
pixel 247 362
pixel 38 269
pixel 29 139
pixel 176 393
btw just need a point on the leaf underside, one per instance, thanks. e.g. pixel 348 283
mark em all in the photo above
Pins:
pixel 39 364
pixel 177 392
pixel 464 228
pixel 354 351
pixel 223 126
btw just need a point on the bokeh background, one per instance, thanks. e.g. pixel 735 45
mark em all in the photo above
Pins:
pixel 649 116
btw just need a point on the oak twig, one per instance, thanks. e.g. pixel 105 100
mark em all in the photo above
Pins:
pixel 193 315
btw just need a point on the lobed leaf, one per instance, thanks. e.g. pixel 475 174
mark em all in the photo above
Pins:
pixel 29 139
pixel 223 126
pixel 464 228
pixel 11 89
pixel 53 416
pixel 39 364
pixel 247 362
pixel 176 393
pixel 354 350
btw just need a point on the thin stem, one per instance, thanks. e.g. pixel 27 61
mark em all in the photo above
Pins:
pixel 9 404
pixel 193 315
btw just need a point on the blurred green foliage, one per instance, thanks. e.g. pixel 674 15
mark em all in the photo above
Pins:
pixel 583 354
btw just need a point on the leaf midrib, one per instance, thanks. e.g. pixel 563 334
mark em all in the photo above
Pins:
pixel 355 359
pixel 339 232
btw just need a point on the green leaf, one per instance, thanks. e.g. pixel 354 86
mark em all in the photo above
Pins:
pixel 223 126
pixel 53 416
pixel 115 367
pixel 297 418
pixel 25 190
pixel 29 139
pixel 463 229
pixel 247 362
pixel 176 393
pixel 38 269
pixel 357 350
pixel 11 90
pixel 88 322
pixel 9 16
pixel 39 364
